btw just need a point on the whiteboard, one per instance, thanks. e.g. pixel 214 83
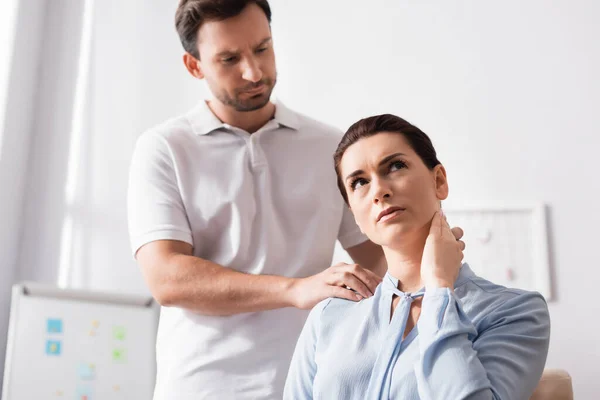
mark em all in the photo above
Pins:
pixel 74 344
pixel 507 245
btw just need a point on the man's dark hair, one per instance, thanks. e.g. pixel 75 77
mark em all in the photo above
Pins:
pixel 416 138
pixel 191 14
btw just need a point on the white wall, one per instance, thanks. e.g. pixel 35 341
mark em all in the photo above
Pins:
pixel 44 200
pixel 8 11
pixel 23 61
pixel 137 81
pixel 509 93
pixel 506 90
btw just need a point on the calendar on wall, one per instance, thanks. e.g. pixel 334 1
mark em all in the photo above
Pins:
pixel 505 245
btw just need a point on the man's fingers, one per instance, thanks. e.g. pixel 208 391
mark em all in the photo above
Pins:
pixel 354 276
pixel 347 294
pixel 340 264
pixel 368 277
pixel 461 245
pixel 457 232
pixel 347 279
pixel 358 278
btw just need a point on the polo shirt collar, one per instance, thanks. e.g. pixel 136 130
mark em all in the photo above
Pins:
pixel 203 121
pixel 286 117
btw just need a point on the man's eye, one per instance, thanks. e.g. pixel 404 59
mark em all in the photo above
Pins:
pixel 261 50
pixel 228 60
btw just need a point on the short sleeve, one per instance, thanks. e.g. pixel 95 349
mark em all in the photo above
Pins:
pixel 349 233
pixel 155 208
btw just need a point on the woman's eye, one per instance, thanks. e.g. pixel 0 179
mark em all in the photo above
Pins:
pixel 358 183
pixel 396 165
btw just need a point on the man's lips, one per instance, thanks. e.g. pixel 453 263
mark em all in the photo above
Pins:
pixel 389 213
pixel 255 90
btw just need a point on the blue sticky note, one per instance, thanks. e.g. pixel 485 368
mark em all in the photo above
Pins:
pixel 54 325
pixel 53 347
pixel 86 371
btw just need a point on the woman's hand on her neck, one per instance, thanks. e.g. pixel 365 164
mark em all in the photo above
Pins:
pixel 442 255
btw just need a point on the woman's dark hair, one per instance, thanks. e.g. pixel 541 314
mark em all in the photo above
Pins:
pixel 191 14
pixel 417 139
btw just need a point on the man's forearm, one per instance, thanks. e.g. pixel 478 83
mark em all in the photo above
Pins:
pixel 208 288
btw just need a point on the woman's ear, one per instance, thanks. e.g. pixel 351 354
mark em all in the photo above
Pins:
pixel 441 182
pixel 193 66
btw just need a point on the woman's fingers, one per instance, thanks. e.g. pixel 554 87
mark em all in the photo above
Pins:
pixel 457 232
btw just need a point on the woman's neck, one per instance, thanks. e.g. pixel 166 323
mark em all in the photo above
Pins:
pixel 404 260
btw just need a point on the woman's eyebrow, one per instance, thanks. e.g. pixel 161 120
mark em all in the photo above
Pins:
pixel 385 160
pixel 390 157
pixel 355 173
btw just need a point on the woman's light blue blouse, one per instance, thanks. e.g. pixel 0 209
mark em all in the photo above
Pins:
pixel 478 341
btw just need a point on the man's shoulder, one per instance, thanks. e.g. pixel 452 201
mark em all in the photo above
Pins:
pixel 169 129
pixel 312 125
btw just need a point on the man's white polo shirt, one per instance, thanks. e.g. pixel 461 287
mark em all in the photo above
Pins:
pixel 265 203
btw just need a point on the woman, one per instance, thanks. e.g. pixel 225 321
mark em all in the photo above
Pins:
pixel 433 329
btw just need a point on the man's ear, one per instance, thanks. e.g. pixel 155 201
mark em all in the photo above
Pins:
pixel 193 66
pixel 441 182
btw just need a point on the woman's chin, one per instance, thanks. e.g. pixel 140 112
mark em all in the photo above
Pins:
pixel 394 236
pixel 398 235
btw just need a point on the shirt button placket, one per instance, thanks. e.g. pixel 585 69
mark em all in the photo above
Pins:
pixel 256 154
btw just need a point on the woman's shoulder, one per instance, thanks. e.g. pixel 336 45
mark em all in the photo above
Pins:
pixel 472 284
pixel 335 313
pixel 337 308
pixel 483 299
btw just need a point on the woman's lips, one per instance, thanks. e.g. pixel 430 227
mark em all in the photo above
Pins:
pixel 389 213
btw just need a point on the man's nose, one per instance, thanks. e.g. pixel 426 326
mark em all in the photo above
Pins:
pixel 252 71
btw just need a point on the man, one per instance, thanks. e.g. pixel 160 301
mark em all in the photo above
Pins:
pixel 234 213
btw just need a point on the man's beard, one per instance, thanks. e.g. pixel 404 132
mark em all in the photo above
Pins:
pixel 252 103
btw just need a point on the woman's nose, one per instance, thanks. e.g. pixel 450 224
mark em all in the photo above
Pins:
pixel 381 191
